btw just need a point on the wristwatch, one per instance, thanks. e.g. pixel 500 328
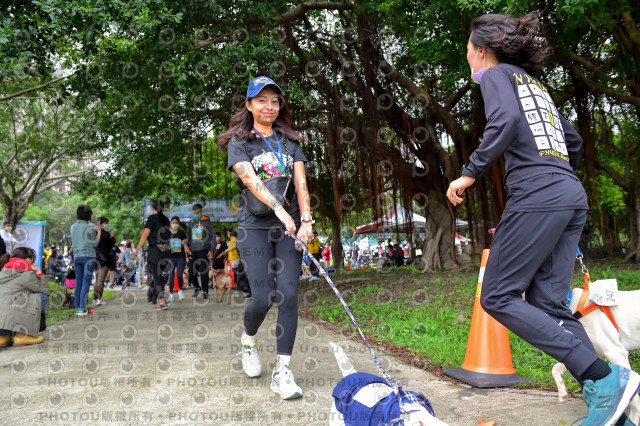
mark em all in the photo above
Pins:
pixel 306 218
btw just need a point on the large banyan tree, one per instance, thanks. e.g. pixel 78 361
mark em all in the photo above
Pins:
pixel 380 88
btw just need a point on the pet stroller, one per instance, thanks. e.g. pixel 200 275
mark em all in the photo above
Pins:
pixel 127 275
pixel 69 284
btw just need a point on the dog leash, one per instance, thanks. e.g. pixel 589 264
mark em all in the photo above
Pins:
pixel 404 398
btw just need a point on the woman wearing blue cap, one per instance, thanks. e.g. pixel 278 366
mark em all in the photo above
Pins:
pixel 264 147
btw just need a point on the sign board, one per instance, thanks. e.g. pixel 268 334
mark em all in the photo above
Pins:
pixel 31 234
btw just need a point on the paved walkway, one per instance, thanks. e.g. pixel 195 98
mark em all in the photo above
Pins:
pixel 129 364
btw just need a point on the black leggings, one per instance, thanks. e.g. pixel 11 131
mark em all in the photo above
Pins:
pixel 176 266
pixel 273 270
pixel 156 277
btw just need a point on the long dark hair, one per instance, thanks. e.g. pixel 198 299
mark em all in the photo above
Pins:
pixel 516 41
pixel 241 124
pixel 20 253
pixel 158 205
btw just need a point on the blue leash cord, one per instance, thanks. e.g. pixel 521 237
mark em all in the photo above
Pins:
pixel 403 397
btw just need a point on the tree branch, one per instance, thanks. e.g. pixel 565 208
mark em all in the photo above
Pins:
pixel 615 175
pixel 457 97
pixel 33 89
pixel 53 182
pixel 287 17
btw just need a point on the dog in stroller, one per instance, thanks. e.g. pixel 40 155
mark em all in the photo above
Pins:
pixel 69 284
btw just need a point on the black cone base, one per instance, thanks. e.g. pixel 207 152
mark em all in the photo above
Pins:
pixel 484 380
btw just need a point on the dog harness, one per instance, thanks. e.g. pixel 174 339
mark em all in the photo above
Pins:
pixel 581 309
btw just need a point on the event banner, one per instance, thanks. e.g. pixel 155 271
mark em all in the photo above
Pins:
pixel 216 210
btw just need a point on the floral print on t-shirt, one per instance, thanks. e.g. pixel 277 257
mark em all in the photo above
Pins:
pixel 267 165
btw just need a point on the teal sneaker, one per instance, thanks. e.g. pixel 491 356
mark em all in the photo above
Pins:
pixel 607 398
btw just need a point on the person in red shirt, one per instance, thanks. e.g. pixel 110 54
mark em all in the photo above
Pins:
pixel 326 254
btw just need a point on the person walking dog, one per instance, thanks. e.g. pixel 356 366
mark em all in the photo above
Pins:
pixel 265 153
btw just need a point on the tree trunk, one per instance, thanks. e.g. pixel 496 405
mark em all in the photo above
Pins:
pixel 438 251
pixel 336 243
pixel 634 223
pixel 14 209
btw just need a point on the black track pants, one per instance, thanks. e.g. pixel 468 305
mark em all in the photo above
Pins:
pixel 534 252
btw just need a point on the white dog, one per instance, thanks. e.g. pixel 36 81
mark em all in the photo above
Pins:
pixel 366 399
pixel 608 342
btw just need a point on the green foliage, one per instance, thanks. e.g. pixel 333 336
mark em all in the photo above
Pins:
pixel 430 316
pixel 161 79
pixel 58 209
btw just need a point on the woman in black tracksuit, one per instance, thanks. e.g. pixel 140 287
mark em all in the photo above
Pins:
pixel 534 246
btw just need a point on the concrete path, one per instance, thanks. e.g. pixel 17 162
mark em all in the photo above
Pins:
pixel 129 364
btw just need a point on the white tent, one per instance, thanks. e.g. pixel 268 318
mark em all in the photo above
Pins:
pixel 397 218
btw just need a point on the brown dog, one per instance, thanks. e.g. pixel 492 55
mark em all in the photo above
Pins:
pixel 222 282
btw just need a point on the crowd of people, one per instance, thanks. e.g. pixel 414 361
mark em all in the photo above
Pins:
pixel 94 258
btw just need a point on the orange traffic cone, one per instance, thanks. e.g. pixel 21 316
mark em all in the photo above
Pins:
pixel 230 272
pixel 487 362
pixel 175 282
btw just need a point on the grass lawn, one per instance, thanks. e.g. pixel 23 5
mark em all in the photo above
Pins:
pixel 425 318
pixel 54 309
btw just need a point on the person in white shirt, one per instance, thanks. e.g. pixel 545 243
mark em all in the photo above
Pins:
pixel 6 233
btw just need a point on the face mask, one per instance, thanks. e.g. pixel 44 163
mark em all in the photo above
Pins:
pixel 477 76
pixel 175 226
pixel 218 239
pixel 197 216
pixel 105 226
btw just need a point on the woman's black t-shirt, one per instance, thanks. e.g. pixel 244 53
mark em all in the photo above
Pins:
pixel 220 247
pixel 175 241
pixel 160 233
pixel 265 165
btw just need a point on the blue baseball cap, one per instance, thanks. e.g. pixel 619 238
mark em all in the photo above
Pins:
pixel 259 83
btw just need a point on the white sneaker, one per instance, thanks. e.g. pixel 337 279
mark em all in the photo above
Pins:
pixel 170 298
pixel 314 278
pixel 250 359
pixel 180 294
pixel 283 383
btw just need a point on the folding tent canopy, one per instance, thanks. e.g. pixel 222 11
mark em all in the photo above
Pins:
pixel 462 240
pixel 397 218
